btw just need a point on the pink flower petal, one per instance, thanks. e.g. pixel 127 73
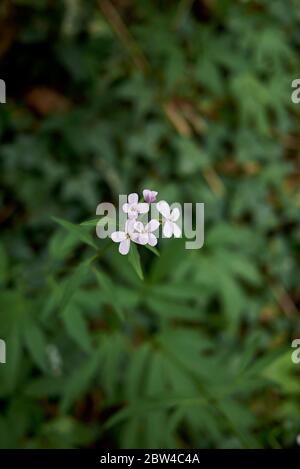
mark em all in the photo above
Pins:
pixel 175 214
pixel 124 247
pixel 143 238
pixel 133 214
pixel 163 208
pixel 152 240
pixel 146 195
pixel 135 237
pixel 129 226
pixel 149 196
pixel 125 208
pixel 133 198
pixel 176 231
pixel 138 226
pixel 152 225
pixel 118 236
pixel 143 208
pixel 168 229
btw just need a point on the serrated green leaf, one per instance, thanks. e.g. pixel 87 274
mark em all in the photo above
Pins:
pixel 153 249
pixel 107 285
pixel 79 381
pixel 76 327
pixel 35 342
pixel 73 283
pixel 77 230
pixel 135 261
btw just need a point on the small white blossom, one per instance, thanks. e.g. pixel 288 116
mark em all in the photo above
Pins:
pixel 125 237
pixel 169 218
pixel 133 208
pixel 145 233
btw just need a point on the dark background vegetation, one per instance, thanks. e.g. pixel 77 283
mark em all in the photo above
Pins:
pixel 190 98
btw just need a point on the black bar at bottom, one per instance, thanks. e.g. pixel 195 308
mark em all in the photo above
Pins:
pixel 132 458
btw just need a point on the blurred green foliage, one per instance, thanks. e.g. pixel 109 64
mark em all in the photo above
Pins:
pixel 191 99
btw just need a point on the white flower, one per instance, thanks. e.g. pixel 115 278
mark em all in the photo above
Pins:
pixel 169 218
pixel 133 208
pixel 125 237
pixel 145 233
pixel 55 359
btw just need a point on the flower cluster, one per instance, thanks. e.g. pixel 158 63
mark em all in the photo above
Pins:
pixel 138 232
